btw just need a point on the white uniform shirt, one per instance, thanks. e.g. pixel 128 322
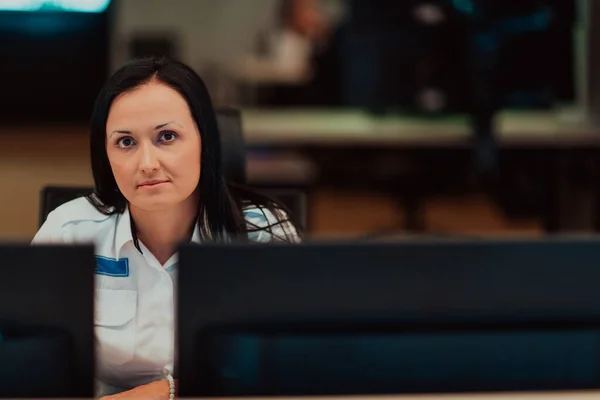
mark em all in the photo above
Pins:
pixel 134 296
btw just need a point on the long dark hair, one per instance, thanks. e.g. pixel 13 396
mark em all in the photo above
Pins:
pixel 220 214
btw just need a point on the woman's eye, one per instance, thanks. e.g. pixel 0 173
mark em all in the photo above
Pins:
pixel 167 136
pixel 125 142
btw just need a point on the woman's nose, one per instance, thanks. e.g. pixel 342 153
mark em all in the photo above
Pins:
pixel 148 158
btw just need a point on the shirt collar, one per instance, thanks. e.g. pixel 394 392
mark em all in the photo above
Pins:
pixel 174 261
pixel 196 234
pixel 124 234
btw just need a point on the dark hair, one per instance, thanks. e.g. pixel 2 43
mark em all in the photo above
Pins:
pixel 220 208
pixel 286 11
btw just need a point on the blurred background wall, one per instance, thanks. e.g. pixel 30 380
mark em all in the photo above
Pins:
pixel 204 31
pixel 31 158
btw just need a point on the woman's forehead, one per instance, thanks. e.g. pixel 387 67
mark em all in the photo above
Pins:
pixel 146 107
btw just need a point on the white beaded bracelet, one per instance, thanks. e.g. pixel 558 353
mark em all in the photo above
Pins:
pixel 171 384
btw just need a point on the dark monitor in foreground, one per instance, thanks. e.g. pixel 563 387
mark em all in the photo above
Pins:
pixel 426 317
pixel 46 321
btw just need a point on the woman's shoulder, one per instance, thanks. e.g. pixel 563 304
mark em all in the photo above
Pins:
pixel 64 223
pixel 269 225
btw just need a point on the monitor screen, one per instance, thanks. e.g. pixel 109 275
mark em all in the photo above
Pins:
pixel 46 321
pixel 94 6
pixel 347 362
pixel 425 316
pixel 57 60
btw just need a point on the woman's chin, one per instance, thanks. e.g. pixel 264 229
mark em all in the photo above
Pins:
pixel 155 203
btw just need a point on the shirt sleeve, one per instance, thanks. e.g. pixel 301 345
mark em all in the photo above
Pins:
pixel 264 226
pixel 51 231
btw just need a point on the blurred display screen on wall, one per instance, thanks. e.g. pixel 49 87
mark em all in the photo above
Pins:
pixel 445 56
pixel 436 55
pixel 55 5
pixel 54 59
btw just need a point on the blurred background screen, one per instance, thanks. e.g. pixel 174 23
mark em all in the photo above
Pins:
pixel 441 56
pixel 415 56
pixel 54 58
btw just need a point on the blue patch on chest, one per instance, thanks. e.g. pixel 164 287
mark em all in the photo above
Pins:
pixel 111 267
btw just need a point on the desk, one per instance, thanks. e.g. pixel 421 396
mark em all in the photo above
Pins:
pixel 571 395
pixel 558 144
pixel 322 127
pixel 581 395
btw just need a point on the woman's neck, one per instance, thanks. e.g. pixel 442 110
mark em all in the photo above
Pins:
pixel 162 231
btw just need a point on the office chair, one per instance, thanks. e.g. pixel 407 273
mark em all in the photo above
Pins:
pixel 233 148
pixel 234 169
pixel 53 196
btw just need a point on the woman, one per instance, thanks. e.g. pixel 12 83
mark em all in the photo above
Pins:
pixel 156 162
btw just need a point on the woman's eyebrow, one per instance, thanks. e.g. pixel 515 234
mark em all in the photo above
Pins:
pixel 124 131
pixel 120 131
pixel 167 123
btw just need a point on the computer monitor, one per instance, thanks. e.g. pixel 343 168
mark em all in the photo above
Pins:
pixel 418 317
pixel 46 321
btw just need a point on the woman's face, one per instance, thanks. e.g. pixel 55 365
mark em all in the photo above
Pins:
pixel 153 146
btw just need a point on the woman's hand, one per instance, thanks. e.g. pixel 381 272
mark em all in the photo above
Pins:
pixel 158 390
